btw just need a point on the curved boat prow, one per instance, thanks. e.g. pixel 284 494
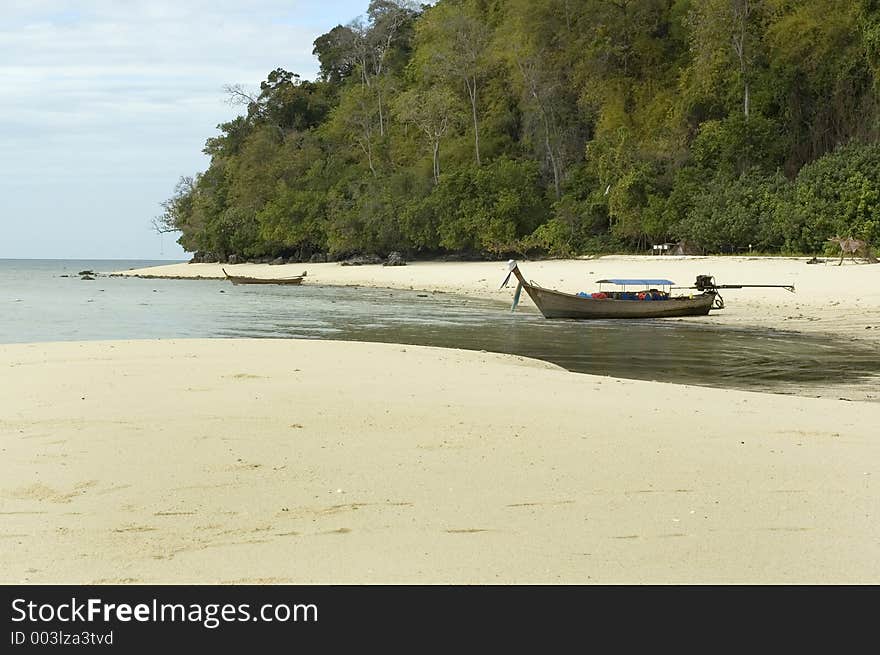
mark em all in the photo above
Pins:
pixel 513 269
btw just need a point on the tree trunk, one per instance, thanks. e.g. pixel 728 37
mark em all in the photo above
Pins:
pixel 549 146
pixel 368 151
pixel 381 115
pixel 739 46
pixel 472 93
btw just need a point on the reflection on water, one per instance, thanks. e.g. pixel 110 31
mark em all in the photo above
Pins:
pixel 48 308
pixel 684 352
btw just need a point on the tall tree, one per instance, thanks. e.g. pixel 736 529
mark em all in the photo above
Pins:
pixel 354 121
pixel 726 36
pixel 434 112
pixel 452 41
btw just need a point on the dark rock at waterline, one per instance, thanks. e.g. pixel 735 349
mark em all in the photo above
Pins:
pixel 278 261
pixel 233 259
pixel 395 259
pixel 464 257
pixel 86 273
pixel 318 258
pixel 87 277
pixel 204 258
pixel 361 260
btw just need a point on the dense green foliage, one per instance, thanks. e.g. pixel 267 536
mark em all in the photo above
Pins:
pixel 490 127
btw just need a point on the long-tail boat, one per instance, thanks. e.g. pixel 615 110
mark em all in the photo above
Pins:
pixel 632 298
pixel 239 279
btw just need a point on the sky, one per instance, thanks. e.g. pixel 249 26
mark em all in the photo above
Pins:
pixel 105 104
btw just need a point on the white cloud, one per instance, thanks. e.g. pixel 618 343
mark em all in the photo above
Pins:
pixel 103 88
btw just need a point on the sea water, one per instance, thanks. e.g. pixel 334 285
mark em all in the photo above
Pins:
pixel 46 300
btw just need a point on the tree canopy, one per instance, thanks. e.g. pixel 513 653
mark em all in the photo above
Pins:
pixel 492 127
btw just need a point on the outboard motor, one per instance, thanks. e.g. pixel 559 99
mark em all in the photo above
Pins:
pixel 705 283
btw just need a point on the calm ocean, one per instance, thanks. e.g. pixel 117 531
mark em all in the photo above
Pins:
pixel 45 300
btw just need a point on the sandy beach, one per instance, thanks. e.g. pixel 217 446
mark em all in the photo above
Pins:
pixel 288 461
pixel 842 300
pixel 323 462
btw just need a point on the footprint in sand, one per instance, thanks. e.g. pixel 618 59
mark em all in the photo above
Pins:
pixel 135 528
pixel 42 492
pixel 542 504
pixel 337 531
pixel 244 466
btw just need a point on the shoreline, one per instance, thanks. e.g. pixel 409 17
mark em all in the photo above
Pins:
pixel 299 461
pixel 842 301
pixel 267 461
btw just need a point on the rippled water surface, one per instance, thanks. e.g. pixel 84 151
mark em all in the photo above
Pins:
pixel 40 305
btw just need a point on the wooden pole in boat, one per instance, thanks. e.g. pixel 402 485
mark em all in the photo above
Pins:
pixel 511 267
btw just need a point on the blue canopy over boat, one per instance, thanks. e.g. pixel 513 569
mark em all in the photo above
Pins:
pixel 649 283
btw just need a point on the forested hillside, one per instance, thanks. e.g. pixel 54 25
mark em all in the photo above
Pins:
pixel 491 127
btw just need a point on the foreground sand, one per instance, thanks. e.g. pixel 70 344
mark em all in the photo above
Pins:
pixel 322 462
pixel 842 300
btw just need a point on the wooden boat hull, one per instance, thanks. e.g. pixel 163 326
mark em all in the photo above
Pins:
pixel 250 280
pixel 237 279
pixel 556 304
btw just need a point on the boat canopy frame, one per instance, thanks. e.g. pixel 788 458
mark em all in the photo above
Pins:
pixel 646 283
